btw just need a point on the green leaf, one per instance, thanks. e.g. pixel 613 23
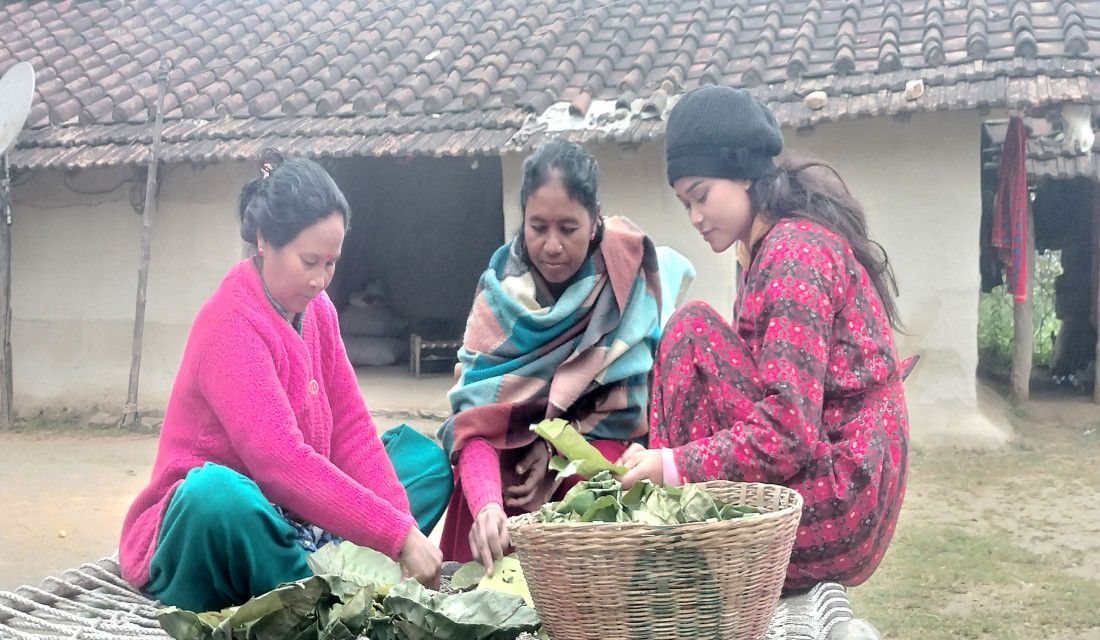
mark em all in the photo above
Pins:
pixel 300 598
pixel 697 505
pixel 357 613
pixel 549 513
pixel 580 503
pixel 184 625
pixel 563 467
pixel 468 576
pixel 312 632
pixel 483 614
pixel 381 623
pixel 575 490
pixel 215 618
pixel 277 625
pixel 337 630
pixel 663 505
pixel 283 612
pixel 382 630
pixel 508 578
pixel 572 445
pixel 604 509
pixel 636 496
pixel 359 565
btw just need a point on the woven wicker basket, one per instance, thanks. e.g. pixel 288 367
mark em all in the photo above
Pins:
pixel 689 581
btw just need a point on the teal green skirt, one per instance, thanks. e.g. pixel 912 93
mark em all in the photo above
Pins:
pixel 222 542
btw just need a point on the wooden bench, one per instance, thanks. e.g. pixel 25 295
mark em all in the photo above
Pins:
pixel 417 345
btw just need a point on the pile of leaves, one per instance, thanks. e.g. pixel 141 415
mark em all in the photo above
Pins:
pixel 601 499
pixel 358 592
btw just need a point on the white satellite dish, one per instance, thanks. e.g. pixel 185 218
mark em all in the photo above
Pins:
pixel 16 94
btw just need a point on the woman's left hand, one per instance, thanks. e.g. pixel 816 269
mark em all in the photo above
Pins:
pixel 534 465
pixel 642 464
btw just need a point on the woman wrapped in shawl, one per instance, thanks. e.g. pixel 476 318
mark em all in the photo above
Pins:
pixel 564 325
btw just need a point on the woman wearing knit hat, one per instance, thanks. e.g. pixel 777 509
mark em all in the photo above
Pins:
pixel 805 388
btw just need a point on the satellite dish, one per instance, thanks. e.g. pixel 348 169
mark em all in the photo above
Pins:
pixel 16 94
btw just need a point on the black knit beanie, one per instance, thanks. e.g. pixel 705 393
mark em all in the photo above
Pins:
pixel 721 132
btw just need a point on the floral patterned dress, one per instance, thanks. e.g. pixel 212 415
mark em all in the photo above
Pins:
pixel 804 391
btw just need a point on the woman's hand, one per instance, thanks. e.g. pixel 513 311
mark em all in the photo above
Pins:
pixel 534 465
pixel 421 559
pixel 489 535
pixel 642 464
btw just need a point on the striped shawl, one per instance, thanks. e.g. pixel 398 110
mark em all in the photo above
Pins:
pixel 585 357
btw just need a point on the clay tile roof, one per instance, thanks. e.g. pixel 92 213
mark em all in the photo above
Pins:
pixel 375 77
pixel 1050 155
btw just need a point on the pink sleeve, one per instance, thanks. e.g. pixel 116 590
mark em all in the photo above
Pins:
pixel 239 381
pixel 356 447
pixel 479 470
pixel 671 474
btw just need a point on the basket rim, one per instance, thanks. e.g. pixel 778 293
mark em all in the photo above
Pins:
pixel 527 520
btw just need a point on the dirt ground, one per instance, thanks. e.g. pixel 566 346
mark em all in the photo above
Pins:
pixel 1043 490
pixel 65 488
pixel 64 495
pixel 1004 544
pixel 1028 511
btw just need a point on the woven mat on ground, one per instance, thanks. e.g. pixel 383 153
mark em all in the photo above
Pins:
pixel 92 602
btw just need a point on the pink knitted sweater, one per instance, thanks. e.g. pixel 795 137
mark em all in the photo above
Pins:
pixel 282 409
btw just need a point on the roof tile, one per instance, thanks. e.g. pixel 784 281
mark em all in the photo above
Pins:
pixel 289 60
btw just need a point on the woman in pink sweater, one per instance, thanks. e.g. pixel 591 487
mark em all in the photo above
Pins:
pixel 267 448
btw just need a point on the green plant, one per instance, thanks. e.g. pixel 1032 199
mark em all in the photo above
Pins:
pixel 995 317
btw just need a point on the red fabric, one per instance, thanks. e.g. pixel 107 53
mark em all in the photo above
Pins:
pixel 1010 210
pixel 455 539
pixel 281 409
pixel 805 392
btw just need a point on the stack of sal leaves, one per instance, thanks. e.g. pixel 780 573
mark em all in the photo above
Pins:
pixel 358 593
pixel 601 499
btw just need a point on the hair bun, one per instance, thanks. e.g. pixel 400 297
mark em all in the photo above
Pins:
pixel 270 160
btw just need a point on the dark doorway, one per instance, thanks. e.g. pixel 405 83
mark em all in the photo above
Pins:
pixel 422 231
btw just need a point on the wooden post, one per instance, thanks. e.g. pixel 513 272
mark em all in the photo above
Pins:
pixel 5 296
pixel 1096 287
pixel 1023 323
pixel 130 412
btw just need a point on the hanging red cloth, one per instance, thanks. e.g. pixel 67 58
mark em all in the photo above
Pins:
pixel 1010 210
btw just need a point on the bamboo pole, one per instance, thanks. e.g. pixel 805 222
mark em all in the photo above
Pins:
pixel 5 297
pixel 1023 323
pixel 130 412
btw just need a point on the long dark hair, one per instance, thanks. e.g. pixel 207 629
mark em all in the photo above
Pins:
pixel 289 196
pixel 812 190
pixel 579 174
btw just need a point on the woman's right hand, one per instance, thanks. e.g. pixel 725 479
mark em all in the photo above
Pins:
pixel 421 559
pixel 489 535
